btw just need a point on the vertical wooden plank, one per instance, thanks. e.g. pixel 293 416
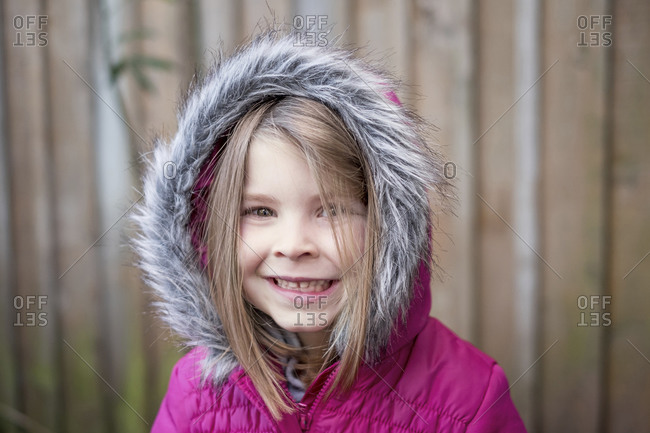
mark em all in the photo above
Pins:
pixel 337 17
pixel 8 357
pixel 629 352
pixel 525 198
pixel 256 13
pixel 220 27
pixel 186 42
pixel 169 42
pixel 73 184
pixel 381 29
pixel 572 203
pixel 33 212
pixel 117 134
pixel 496 148
pixel 444 93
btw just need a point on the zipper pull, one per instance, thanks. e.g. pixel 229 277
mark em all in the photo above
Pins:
pixel 305 417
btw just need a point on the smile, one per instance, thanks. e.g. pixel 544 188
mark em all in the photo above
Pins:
pixel 304 286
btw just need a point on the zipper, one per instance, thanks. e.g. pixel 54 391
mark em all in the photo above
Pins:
pixel 305 416
pixel 306 411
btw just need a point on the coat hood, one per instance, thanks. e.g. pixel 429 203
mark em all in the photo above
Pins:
pixel 405 171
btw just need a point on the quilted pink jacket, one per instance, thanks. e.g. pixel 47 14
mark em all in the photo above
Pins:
pixel 429 381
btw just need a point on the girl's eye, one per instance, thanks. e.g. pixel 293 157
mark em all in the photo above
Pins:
pixel 332 210
pixel 258 212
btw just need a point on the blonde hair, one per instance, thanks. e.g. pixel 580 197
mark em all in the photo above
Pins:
pixel 340 170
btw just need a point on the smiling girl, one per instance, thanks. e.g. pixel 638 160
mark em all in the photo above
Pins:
pixel 291 249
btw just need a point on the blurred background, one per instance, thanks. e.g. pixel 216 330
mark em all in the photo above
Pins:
pixel 543 110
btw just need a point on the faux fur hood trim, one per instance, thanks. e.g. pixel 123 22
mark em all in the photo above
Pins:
pixel 392 139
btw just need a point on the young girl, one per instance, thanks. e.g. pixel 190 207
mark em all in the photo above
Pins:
pixel 286 233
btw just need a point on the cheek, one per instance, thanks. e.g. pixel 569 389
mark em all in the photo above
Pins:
pixel 244 251
pixel 246 242
pixel 253 247
pixel 247 257
pixel 359 234
pixel 248 264
pixel 355 235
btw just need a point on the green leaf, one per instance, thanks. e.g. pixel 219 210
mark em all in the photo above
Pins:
pixel 117 69
pixel 142 80
pixel 137 64
pixel 136 35
pixel 154 62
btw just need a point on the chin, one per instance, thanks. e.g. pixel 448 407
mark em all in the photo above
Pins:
pixel 303 321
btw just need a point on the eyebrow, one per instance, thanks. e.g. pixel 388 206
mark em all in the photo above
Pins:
pixel 260 197
pixel 267 198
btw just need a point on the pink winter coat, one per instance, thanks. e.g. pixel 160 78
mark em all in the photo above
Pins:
pixel 430 381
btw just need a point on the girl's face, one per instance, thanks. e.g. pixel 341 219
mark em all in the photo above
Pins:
pixel 290 264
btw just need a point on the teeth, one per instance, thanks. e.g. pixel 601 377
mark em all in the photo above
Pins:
pixel 304 286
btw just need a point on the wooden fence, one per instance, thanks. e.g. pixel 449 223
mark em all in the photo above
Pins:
pixel 543 110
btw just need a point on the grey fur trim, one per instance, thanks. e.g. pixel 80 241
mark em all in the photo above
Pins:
pixel 403 168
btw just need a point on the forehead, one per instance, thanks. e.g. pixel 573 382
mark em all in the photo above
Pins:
pixel 273 150
pixel 276 164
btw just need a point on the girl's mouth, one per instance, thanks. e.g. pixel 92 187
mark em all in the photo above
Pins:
pixel 306 290
pixel 312 286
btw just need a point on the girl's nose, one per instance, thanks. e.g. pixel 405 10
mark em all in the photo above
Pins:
pixel 295 240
